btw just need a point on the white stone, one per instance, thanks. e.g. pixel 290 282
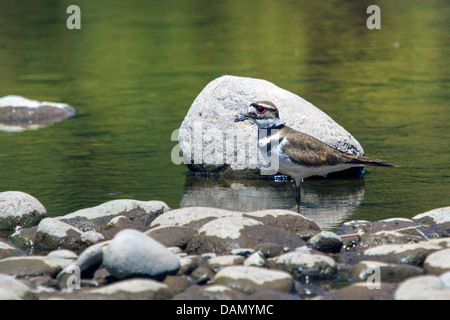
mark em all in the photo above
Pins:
pixel 440 215
pixel 227 228
pixel 218 104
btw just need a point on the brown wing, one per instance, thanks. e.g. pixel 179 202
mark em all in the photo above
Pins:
pixel 306 150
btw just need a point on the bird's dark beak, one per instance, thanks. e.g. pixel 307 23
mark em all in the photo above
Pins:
pixel 243 117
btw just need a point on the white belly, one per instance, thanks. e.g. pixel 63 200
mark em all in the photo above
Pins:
pixel 297 172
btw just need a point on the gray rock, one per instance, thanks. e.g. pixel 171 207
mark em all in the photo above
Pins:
pixel 24 239
pixel 304 263
pixel 189 264
pixel 97 218
pixel 427 287
pixel 63 254
pixel 52 234
pixel 86 264
pixel 92 237
pixel 361 291
pixel 18 209
pixel 172 236
pixel 201 275
pixel 438 221
pixel 225 234
pixel 132 289
pixel 388 272
pixel 326 241
pixel 210 292
pixel 411 253
pixel 33 266
pixel 438 262
pixel 133 254
pixel 18 113
pixel 119 223
pixel 217 263
pixel 216 107
pixel 13 289
pixel 193 217
pixel 256 259
pixel 7 250
pixel 435 216
pixel 252 279
pixel 286 219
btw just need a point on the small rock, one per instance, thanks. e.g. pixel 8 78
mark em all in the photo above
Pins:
pixel 7 250
pixel 438 221
pixel 97 218
pixel 436 216
pixel 219 262
pixel 13 289
pixel 172 236
pixel 18 113
pixel 427 287
pixel 33 266
pixel 177 283
pixel 304 263
pixel 370 240
pixel 53 234
pixel 270 250
pixel 361 291
pixel 245 252
pixel 193 217
pixel 189 264
pixel 133 289
pixel 438 262
pixel 210 292
pixel 388 272
pixel 411 253
pixel 24 239
pixel 272 295
pixel 119 223
pixel 202 275
pixel 19 209
pixel 62 254
pixel 326 241
pixel 255 259
pixel 287 220
pixel 132 254
pixel 225 234
pixel 92 237
pixel 252 279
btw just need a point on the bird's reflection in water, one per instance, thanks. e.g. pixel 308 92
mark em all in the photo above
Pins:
pixel 327 201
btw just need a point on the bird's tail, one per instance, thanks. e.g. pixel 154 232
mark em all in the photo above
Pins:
pixel 371 162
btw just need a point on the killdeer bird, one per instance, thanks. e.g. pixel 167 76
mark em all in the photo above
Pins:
pixel 299 154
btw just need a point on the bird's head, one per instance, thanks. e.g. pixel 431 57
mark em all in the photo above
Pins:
pixel 263 113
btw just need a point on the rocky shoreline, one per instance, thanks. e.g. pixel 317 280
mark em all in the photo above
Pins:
pixel 129 249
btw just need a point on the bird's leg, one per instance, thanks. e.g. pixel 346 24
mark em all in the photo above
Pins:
pixel 297 195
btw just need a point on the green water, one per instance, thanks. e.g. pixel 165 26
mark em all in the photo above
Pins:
pixel 135 67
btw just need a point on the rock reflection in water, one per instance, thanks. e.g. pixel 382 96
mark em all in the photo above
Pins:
pixel 327 201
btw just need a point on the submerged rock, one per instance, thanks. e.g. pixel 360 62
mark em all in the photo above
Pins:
pixel 18 113
pixel 210 121
pixel 97 218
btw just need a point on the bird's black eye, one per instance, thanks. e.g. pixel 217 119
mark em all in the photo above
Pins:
pixel 260 109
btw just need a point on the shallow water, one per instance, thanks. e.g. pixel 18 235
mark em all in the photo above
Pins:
pixel 132 72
